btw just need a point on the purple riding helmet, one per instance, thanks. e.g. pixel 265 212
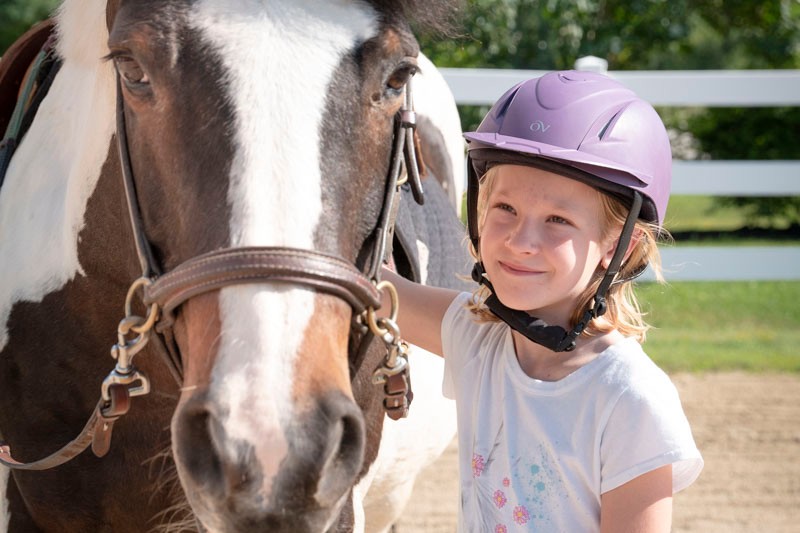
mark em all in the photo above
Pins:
pixel 585 126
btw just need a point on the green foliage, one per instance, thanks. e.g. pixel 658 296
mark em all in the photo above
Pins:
pixel 747 133
pixel 723 325
pixel 16 16
pixel 632 35
pixel 552 34
pixel 744 34
pixel 770 133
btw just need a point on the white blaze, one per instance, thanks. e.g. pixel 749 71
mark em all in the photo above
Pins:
pixel 279 59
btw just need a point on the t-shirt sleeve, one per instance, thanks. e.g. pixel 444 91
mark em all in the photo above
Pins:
pixel 647 429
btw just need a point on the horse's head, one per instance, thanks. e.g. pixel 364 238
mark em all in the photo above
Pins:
pixel 263 124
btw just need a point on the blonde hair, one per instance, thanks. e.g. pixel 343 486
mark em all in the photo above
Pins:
pixel 623 312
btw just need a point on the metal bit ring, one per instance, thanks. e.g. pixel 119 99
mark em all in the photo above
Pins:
pixel 152 313
pixel 373 320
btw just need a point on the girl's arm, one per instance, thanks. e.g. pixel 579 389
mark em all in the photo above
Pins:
pixel 420 312
pixel 642 505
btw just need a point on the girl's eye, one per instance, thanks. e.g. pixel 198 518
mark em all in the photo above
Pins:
pixel 558 220
pixel 505 207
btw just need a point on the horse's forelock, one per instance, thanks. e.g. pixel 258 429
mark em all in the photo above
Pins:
pixel 430 15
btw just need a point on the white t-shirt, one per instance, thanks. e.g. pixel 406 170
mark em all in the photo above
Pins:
pixel 536 455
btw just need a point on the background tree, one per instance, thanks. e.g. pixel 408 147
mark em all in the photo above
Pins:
pixel 16 16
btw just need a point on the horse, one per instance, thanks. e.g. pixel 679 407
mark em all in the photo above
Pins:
pixel 209 186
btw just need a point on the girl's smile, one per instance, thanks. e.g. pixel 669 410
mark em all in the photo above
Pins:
pixel 518 270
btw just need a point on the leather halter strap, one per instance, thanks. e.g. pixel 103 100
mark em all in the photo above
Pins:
pixel 96 432
pixel 218 269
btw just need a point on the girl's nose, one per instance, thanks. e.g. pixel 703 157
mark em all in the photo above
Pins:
pixel 523 238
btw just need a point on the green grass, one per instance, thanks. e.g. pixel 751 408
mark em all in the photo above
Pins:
pixel 710 326
pixel 685 213
pixel 698 221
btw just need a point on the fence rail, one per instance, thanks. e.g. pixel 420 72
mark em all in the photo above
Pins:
pixel 700 88
pixel 671 88
pixel 736 178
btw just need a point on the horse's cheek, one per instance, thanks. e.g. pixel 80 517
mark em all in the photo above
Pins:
pixel 197 331
pixel 322 364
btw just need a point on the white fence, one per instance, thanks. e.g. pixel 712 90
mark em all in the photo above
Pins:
pixel 715 88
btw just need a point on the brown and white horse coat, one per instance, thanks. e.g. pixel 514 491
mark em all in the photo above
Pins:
pixel 250 124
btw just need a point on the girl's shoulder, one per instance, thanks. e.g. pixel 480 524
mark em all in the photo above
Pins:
pixel 629 368
pixel 459 316
pixel 462 332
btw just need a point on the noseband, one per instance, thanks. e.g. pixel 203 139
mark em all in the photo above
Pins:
pixel 162 294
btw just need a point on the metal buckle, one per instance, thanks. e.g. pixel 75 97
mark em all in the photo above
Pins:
pixel 124 372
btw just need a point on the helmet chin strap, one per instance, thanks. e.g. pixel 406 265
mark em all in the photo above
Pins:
pixel 557 338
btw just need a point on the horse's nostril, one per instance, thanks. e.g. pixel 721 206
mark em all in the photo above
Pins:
pixel 195 446
pixel 345 452
pixel 325 454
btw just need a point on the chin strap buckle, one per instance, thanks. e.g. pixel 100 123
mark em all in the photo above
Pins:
pixel 600 306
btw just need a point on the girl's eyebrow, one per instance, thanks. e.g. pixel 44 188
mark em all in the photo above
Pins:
pixel 565 204
pixel 557 204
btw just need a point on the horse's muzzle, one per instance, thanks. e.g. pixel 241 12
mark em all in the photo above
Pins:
pixel 232 491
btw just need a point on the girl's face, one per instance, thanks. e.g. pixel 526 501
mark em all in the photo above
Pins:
pixel 541 241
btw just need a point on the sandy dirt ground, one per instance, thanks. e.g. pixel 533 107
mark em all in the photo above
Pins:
pixel 746 425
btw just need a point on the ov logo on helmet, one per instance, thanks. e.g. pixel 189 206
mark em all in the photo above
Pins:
pixel 538 125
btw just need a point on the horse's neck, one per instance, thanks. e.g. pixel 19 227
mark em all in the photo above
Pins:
pixel 49 182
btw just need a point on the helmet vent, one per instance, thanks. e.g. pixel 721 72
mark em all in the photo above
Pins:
pixel 608 125
pixel 500 113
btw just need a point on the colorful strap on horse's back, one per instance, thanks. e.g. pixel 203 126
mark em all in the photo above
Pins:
pixel 14 64
pixel 26 71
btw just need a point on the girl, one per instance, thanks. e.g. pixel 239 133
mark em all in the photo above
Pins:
pixel 564 424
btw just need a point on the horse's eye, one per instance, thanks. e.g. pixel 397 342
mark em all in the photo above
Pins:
pixel 131 72
pixel 398 79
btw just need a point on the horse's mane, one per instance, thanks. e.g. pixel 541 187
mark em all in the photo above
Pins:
pixel 427 15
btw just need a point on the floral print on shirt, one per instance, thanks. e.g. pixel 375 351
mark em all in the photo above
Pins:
pixel 478 465
pixel 510 497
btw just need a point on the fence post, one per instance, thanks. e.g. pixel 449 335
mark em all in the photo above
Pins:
pixel 592 64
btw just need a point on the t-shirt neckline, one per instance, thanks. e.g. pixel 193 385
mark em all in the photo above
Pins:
pixel 568 382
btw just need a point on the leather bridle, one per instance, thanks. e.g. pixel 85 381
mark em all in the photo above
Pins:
pixel 163 293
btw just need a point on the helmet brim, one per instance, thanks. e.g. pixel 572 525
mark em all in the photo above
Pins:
pixel 598 173
pixel 599 166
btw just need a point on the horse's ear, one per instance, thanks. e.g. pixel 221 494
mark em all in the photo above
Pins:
pixel 112 6
pixel 423 170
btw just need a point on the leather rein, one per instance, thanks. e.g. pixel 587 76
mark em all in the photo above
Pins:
pixel 162 294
